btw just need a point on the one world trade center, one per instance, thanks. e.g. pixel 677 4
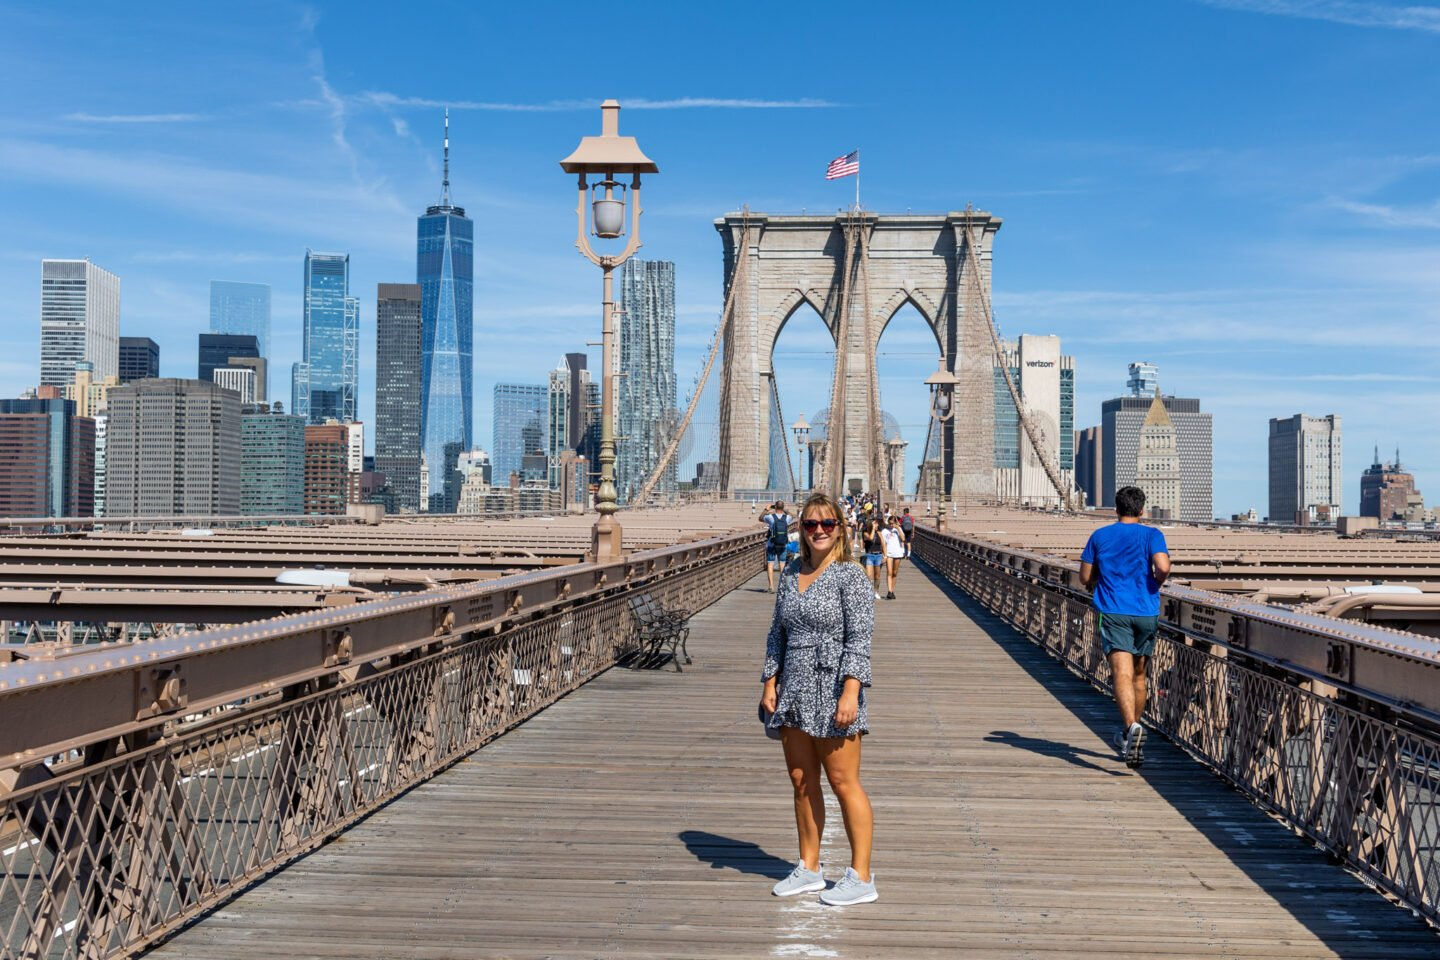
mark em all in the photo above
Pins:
pixel 444 268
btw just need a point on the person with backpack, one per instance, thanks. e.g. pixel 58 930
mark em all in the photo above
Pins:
pixel 907 529
pixel 776 544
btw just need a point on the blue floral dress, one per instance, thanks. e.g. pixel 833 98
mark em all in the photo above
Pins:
pixel 817 639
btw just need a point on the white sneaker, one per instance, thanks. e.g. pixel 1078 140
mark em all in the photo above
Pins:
pixel 877 595
pixel 850 889
pixel 800 880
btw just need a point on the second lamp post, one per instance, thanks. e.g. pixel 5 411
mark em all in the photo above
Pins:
pixel 608 156
pixel 942 407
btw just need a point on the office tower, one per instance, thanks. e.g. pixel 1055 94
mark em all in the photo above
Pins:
pixel 1305 469
pixel 79 320
pixel 573 414
pixel 444 268
pixel 1121 420
pixel 1157 462
pixel 558 423
pixel 217 349
pixel 521 412
pixel 272 462
pixel 261 366
pixel 241 308
pixel 1046 381
pixel 173 449
pixel 102 435
pixel 326 473
pixel 645 410
pixel 47 458
pixel 87 391
pixel 355 446
pixel 325 382
pixel 397 392
pixel 1090 464
pixel 1144 380
pixel 139 359
pixel 239 379
pixel 1387 490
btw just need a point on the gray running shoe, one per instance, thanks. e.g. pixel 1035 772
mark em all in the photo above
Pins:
pixel 800 880
pixel 1135 746
pixel 851 890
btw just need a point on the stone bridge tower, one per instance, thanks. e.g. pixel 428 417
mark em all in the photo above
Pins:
pixel 856 270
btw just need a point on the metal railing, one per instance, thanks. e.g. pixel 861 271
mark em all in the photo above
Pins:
pixel 145 783
pixel 1330 726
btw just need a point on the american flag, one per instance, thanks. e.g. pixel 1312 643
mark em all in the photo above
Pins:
pixel 846 166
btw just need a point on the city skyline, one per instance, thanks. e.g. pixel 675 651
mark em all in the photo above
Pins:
pixel 1210 221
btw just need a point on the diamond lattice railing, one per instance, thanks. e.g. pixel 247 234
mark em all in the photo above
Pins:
pixel 107 850
pixel 1359 778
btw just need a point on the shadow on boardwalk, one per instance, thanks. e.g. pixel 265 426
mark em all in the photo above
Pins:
pixel 728 853
pixel 1308 885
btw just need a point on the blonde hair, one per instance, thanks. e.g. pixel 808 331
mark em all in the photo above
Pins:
pixel 840 552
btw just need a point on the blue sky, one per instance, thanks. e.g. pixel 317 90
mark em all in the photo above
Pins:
pixel 1246 192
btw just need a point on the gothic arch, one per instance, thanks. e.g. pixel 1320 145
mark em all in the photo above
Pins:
pixel 916 259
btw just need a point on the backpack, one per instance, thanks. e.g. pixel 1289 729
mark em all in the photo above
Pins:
pixel 907 524
pixel 779 531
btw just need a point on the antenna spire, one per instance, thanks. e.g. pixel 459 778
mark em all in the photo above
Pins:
pixel 445 184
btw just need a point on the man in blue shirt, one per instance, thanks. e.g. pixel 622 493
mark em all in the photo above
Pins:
pixel 1124 564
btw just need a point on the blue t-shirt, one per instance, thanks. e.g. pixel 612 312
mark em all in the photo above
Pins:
pixel 1121 553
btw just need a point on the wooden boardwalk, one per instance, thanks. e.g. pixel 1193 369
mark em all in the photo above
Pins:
pixel 647 816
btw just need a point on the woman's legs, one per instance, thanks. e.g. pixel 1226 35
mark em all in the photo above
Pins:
pixel 892 570
pixel 875 575
pixel 803 759
pixel 841 758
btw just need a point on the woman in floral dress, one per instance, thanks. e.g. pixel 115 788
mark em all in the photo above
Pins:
pixel 817 666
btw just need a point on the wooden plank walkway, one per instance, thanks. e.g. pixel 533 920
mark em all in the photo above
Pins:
pixel 646 816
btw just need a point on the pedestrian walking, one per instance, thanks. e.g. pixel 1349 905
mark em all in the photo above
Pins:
pixel 894 549
pixel 873 548
pixel 817 669
pixel 777 521
pixel 1124 565
pixel 907 529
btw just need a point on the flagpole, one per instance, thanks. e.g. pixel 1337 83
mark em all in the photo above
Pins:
pixel 857 181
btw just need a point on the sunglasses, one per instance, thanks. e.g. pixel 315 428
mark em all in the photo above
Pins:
pixel 828 524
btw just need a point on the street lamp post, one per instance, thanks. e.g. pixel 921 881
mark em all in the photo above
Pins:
pixel 607 156
pixel 802 434
pixel 942 407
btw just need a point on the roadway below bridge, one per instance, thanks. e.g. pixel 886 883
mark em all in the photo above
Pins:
pixel 646 815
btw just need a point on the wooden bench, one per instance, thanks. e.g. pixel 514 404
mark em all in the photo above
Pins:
pixel 660 633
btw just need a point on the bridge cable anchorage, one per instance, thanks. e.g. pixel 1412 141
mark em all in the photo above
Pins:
pixel 1036 437
pixel 777 428
pixel 837 425
pixel 727 318
pixel 872 336
pixel 930 439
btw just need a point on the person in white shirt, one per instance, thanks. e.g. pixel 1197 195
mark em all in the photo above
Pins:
pixel 894 544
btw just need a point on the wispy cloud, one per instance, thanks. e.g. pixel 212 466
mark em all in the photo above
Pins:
pixel 136 117
pixel 1393 216
pixel 381 98
pixel 1353 13
pixel 295 205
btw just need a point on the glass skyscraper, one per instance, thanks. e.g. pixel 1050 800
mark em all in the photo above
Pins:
pixel 647 374
pixel 521 427
pixel 331 342
pixel 444 268
pixel 241 308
